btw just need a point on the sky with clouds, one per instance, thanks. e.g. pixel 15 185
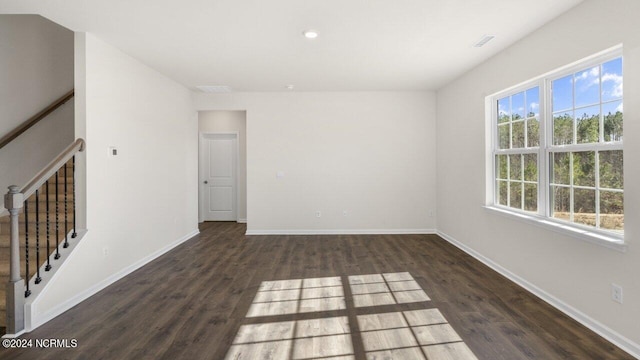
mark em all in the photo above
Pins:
pixel 584 87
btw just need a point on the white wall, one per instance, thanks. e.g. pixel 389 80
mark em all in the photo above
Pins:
pixel 371 154
pixel 36 58
pixel 231 121
pixel 575 272
pixel 142 202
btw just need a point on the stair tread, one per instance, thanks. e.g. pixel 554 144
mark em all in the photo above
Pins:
pixel 41 219
pixel 32 252
pixel 4 268
pixel 32 235
pixel 5 241
pixel 42 230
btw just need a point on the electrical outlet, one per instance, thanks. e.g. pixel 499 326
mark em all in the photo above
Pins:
pixel 345 213
pixel 432 214
pixel 318 213
pixel 616 293
pixel 105 251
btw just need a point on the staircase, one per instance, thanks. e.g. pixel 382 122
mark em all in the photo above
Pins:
pixel 37 224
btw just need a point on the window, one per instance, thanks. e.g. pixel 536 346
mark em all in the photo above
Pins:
pixel 557 147
pixel 516 158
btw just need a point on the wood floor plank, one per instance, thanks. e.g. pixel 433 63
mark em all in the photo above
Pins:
pixel 191 302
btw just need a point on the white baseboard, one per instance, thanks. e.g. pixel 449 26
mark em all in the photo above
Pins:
pixel 38 319
pixel 622 342
pixel 13 336
pixel 341 232
pixel 241 221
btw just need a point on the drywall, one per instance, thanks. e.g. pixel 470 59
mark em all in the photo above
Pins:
pixel 574 272
pixel 230 121
pixel 36 58
pixel 369 154
pixel 141 202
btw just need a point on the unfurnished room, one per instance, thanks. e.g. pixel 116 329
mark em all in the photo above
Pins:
pixel 320 180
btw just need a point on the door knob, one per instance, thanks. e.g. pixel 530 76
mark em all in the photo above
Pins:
pixel 206 182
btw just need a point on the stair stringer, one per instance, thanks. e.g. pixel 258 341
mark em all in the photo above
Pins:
pixel 32 317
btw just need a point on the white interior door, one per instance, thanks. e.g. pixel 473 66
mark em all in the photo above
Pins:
pixel 220 172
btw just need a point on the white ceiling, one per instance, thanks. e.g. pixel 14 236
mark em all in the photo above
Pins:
pixel 257 45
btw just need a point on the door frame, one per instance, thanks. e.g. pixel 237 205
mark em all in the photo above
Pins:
pixel 201 170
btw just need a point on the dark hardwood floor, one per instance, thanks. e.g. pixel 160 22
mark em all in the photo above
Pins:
pixel 191 302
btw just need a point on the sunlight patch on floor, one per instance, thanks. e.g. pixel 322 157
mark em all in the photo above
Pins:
pixel 326 338
pixel 298 296
pixel 402 335
pixel 417 334
pixel 385 289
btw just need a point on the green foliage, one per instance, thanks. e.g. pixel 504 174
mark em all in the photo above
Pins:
pixel 510 191
pixel 502 192
pixel 610 164
pixel 584 164
pixel 517 129
pixel 518 174
pixel 531 197
pixel 584 201
pixel 613 127
pixel 501 167
pixel 563 129
pixel 515 167
pixel 588 129
pixel 533 132
pixel 560 162
pixel 561 199
pixel 515 195
pixel 611 177
pixel 503 136
pixel 531 167
pixel 611 169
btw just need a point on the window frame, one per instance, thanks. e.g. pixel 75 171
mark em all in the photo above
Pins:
pixel 543 215
pixel 515 151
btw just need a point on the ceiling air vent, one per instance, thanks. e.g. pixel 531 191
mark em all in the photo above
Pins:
pixel 485 39
pixel 214 88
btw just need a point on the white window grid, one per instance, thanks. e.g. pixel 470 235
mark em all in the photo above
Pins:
pixel 514 151
pixel 546 146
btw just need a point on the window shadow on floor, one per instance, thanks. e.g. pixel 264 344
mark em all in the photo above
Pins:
pixel 415 334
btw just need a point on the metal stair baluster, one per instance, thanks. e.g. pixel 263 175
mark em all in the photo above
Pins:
pixel 38 278
pixel 48 267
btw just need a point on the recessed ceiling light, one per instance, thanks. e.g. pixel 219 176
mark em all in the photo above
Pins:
pixel 310 34
pixel 214 88
pixel 289 87
pixel 485 39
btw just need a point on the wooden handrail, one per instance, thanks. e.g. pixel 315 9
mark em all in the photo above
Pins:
pixel 35 119
pixel 53 166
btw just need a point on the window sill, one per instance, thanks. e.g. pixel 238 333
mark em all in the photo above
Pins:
pixel 593 237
